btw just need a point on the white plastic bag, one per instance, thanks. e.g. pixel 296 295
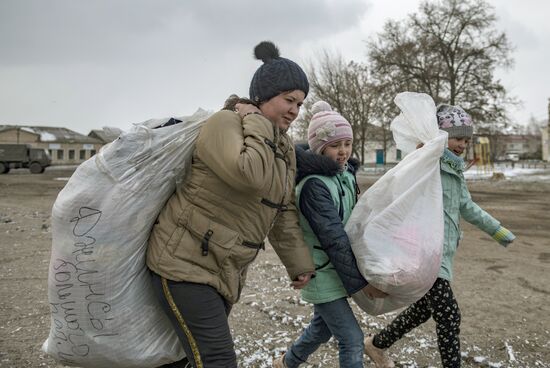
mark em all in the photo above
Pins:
pixel 396 228
pixel 103 309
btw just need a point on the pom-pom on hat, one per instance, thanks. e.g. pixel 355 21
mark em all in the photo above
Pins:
pixel 326 126
pixel 276 75
pixel 455 121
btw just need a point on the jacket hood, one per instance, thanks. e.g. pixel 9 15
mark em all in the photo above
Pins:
pixel 309 163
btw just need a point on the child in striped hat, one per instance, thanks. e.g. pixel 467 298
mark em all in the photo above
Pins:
pixel 326 194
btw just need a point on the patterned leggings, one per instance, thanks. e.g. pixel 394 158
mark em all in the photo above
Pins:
pixel 438 303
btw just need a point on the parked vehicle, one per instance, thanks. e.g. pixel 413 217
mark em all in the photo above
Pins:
pixel 14 156
pixel 512 156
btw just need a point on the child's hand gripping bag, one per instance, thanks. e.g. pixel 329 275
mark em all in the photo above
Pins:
pixel 396 228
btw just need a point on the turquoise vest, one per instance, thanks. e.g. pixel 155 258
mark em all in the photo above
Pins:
pixel 326 286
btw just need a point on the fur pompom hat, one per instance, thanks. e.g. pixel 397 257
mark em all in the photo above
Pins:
pixel 276 75
pixel 326 126
pixel 455 121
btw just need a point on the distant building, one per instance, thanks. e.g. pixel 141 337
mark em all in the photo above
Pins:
pixel 546 143
pixel 374 153
pixel 106 135
pixel 545 133
pixel 525 146
pixel 66 147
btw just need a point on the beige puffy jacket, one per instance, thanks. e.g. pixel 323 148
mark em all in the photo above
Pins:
pixel 240 190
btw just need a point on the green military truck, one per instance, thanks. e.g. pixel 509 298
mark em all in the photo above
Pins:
pixel 15 156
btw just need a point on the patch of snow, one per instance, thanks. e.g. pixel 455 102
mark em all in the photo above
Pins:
pixel 517 173
pixel 510 351
pixel 29 130
pixel 47 137
pixel 424 343
pixel 480 359
pixel 409 350
pixel 409 364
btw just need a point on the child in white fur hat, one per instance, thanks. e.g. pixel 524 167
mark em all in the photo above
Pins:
pixel 327 192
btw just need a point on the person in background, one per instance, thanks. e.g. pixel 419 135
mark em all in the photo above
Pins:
pixel 440 303
pixel 327 192
pixel 239 191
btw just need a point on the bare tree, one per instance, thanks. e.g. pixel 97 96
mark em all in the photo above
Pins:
pixel 298 129
pixel 348 89
pixel 449 50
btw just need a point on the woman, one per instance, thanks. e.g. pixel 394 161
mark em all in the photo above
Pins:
pixel 240 190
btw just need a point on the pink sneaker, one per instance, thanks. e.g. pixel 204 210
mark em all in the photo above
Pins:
pixel 378 356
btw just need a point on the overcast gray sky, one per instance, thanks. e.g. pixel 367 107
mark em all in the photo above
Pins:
pixel 87 64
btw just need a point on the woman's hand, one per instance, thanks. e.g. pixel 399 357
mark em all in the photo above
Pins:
pixel 373 292
pixel 244 109
pixel 302 280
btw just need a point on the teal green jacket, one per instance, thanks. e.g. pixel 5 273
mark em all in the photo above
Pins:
pixel 457 203
pixel 327 286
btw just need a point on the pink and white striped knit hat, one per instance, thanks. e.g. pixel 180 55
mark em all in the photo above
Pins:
pixel 326 126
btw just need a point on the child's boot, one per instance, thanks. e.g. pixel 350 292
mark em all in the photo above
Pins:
pixel 279 362
pixel 378 356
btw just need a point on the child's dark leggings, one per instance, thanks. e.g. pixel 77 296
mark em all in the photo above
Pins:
pixel 438 303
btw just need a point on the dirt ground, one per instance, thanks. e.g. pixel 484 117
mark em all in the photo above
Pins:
pixel 504 294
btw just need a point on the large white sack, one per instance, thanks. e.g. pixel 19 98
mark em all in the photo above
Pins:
pixel 396 228
pixel 103 309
